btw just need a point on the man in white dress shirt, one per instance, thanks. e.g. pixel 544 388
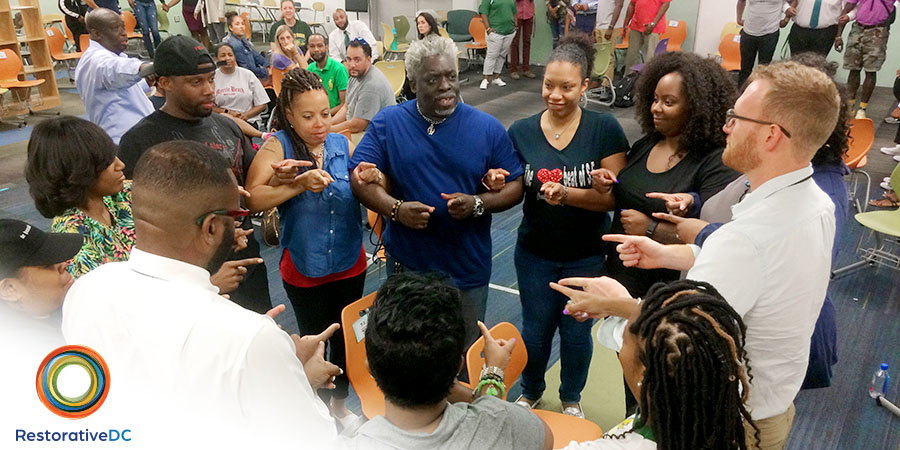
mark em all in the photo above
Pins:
pixel 347 30
pixel 109 82
pixel 217 373
pixel 773 260
pixel 815 25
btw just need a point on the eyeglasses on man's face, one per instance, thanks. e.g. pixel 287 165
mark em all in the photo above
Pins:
pixel 237 214
pixel 730 117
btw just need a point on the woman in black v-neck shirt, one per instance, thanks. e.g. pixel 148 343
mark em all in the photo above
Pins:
pixel 564 218
pixel 681 102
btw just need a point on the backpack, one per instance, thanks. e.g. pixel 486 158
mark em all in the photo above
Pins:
pixel 625 91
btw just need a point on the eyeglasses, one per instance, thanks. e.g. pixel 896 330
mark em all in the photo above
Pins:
pixel 730 117
pixel 238 215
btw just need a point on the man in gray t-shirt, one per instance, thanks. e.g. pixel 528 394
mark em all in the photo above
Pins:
pixel 415 341
pixel 368 91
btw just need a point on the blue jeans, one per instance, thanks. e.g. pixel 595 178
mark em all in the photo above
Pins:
pixel 145 13
pixel 542 315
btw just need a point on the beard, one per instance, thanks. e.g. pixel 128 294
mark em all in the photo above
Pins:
pixel 222 252
pixel 741 156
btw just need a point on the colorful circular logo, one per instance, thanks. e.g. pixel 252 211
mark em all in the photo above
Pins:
pixel 73 367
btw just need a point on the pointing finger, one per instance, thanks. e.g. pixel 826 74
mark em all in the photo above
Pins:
pixel 669 217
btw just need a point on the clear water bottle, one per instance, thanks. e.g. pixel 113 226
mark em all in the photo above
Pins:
pixel 879 382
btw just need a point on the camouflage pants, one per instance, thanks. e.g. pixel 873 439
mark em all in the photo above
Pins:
pixel 866 48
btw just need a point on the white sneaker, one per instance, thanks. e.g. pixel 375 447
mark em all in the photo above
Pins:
pixel 891 120
pixel 574 410
pixel 861 113
pixel 895 150
pixel 497 81
pixel 886 186
pixel 527 404
pixel 484 85
pixel 897 158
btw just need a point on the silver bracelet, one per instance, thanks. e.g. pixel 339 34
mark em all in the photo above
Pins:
pixel 492 372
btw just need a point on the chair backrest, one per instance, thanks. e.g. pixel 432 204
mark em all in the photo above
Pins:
pixel 371 399
pixel 442 16
pixel 623 33
pixel 246 17
pixel 443 32
pixel 379 49
pixel 130 21
pixel 477 30
pixel 69 35
pixel 458 21
pixel 395 71
pixel 162 17
pixel 10 65
pixel 568 428
pixel 401 24
pixel 861 136
pixel 602 53
pixel 475 358
pixel 55 40
pixel 676 32
pixel 85 41
pixel 730 49
pixel 730 28
pixel 50 18
pixel 318 6
pixel 388 36
pixel 277 76
pixel 662 47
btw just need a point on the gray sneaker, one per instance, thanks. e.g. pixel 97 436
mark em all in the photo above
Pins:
pixel 574 410
pixel 527 404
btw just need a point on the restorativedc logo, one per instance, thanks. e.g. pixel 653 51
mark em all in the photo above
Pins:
pixel 63 370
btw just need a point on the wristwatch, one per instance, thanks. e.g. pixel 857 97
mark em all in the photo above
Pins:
pixel 478 209
pixel 652 228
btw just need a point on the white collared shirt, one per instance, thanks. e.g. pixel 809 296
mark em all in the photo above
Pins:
pixel 355 29
pixel 772 264
pixel 114 95
pixel 174 344
pixel 829 12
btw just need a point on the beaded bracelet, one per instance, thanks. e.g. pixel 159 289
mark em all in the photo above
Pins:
pixel 493 372
pixel 565 196
pixel 492 389
pixel 395 210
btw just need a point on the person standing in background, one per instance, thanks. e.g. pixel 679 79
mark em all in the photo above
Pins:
pixel 499 17
pixel 192 20
pixel 609 17
pixel 759 37
pixel 646 20
pixel 815 25
pixel 213 15
pixel 866 46
pixel 560 18
pixel 585 14
pixel 524 28
pixel 74 11
pixel 347 30
pixel 146 15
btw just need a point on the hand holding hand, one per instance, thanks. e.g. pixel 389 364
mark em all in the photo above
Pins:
pixel 635 222
pixel 843 19
pixel 414 215
pixel 286 170
pixel 495 179
pixel 603 180
pixel 306 345
pixel 315 180
pixel 459 205
pixel 367 172
pixel 638 251
pixel 554 193
pixel 677 204
pixel 685 229
pixel 230 275
pixel 497 352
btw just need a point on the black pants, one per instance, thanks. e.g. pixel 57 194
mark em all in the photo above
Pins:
pixel 318 307
pixel 253 292
pixel 753 47
pixel 809 40
pixel 77 29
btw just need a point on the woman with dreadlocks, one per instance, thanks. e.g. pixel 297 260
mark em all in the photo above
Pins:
pixel 302 169
pixel 683 358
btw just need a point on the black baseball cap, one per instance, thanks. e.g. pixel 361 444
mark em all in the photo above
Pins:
pixel 22 245
pixel 182 55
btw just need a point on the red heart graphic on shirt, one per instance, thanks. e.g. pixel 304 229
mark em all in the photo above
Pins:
pixel 555 175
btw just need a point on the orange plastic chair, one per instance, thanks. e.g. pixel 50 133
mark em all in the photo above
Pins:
pixel 861 137
pixel 623 33
pixel 676 33
pixel 730 49
pixel 375 221
pixel 85 41
pixel 130 23
pixel 478 32
pixel 10 66
pixel 277 76
pixel 475 358
pixel 56 40
pixel 69 35
pixel 568 428
pixel 245 16
pixel 371 399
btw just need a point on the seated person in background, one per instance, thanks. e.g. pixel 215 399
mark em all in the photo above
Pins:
pixel 76 179
pixel 244 52
pixel 300 28
pixel 285 53
pixel 334 75
pixel 346 30
pixel 415 346
pixel 238 92
pixel 368 91
pixel 683 357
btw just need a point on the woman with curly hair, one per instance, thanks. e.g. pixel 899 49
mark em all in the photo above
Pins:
pixel 681 103
pixel 683 357
pixel 76 179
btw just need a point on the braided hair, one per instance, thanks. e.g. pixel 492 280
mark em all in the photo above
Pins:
pixel 296 81
pixel 695 383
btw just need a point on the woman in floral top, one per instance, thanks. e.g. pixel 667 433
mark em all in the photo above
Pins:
pixel 76 179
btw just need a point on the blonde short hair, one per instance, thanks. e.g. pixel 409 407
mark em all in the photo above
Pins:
pixel 803 100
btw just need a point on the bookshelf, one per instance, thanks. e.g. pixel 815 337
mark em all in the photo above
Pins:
pixel 38 51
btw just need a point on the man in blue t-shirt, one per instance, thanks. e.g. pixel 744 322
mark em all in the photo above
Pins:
pixel 435 152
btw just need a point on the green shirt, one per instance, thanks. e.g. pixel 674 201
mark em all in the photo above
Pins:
pixel 334 76
pixel 301 32
pixel 501 15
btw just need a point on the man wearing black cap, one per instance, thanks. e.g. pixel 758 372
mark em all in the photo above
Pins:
pixel 186 74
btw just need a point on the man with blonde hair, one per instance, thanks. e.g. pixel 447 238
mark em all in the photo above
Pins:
pixel 772 261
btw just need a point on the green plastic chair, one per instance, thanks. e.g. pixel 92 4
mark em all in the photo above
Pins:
pixel 401 24
pixel 163 19
pixel 602 60
pixel 885 226
pixel 458 24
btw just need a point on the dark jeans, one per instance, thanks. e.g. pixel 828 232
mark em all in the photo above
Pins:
pixel 145 13
pixel 585 22
pixel 522 32
pixel 253 292
pixel 542 315
pixel 753 46
pixel 809 40
pixel 77 28
pixel 316 308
